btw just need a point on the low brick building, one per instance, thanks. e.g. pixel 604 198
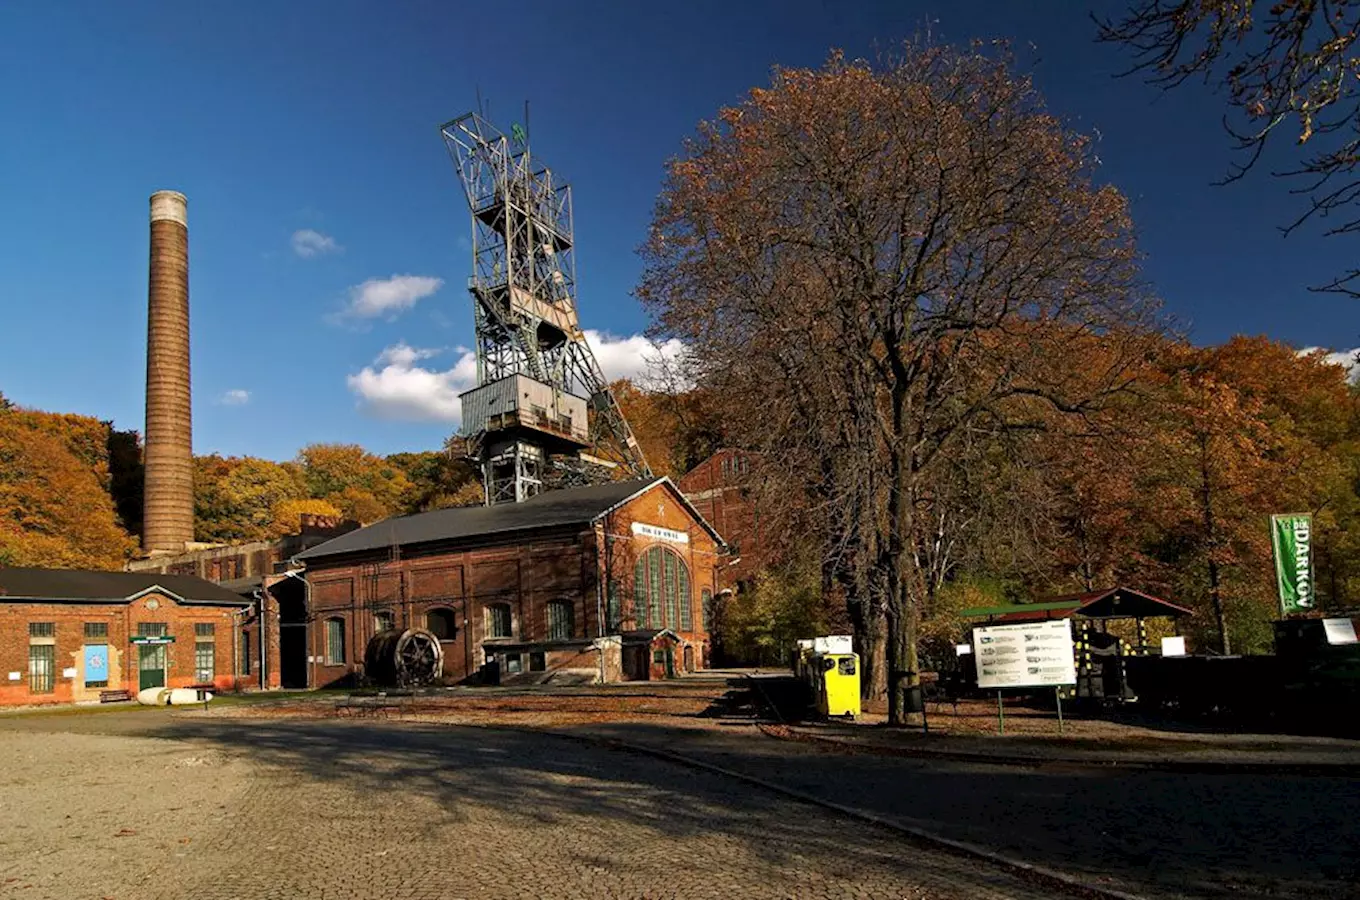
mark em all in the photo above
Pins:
pixel 605 582
pixel 66 635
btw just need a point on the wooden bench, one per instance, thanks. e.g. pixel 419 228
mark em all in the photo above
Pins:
pixel 371 706
pixel 115 696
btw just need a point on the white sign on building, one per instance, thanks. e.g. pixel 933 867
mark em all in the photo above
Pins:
pixel 1035 654
pixel 661 534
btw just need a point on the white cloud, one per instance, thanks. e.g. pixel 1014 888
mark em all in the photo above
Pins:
pixel 388 297
pixel 395 387
pixel 634 357
pixel 1347 359
pixel 234 397
pixel 308 243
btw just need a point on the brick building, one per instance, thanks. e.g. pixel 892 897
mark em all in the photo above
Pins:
pixel 606 582
pixel 249 560
pixel 717 489
pixel 66 635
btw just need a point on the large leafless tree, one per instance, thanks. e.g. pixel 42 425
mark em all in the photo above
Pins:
pixel 877 265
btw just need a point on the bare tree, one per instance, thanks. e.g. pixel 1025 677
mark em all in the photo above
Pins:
pixel 873 264
pixel 1292 64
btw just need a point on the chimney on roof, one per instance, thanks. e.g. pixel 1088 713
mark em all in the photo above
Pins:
pixel 168 507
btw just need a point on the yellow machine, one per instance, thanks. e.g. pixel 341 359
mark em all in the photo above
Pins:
pixel 835 683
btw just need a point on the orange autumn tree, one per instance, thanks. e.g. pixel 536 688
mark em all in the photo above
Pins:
pixel 1246 429
pixel 55 507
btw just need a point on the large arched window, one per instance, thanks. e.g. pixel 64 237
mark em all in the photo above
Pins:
pixel 561 626
pixel 440 623
pixel 661 593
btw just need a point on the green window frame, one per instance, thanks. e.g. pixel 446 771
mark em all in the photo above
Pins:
pixel 335 642
pixel 613 606
pixel 42 668
pixel 661 590
pixel 655 596
pixel 686 600
pixel 499 623
pixel 205 661
pixel 561 626
pixel 671 588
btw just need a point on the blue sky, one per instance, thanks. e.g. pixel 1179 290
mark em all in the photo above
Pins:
pixel 305 136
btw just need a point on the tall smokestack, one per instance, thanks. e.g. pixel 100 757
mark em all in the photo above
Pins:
pixel 168 511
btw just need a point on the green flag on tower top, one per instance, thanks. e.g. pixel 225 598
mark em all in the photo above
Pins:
pixel 517 132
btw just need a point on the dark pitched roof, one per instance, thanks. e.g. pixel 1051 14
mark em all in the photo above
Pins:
pixel 1111 603
pixel 552 508
pixel 83 584
pixel 573 506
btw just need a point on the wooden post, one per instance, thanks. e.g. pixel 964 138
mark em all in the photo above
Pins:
pixel 1000 715
pixel 1057 695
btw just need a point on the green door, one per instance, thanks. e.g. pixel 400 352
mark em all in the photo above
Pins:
pixel 670 662
pixel 150 666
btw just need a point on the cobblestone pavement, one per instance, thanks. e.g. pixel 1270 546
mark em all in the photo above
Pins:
pixel 144 807
pixel 1149 833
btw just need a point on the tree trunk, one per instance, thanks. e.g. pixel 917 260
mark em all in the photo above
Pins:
pixel 1211 542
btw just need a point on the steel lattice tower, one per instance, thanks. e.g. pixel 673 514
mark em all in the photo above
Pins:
pixel 541 400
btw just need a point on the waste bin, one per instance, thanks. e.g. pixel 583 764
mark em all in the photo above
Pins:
pixel 836 683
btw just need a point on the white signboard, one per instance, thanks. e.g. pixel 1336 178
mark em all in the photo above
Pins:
pixel 1173 646
pixel 68 673
pixel 833 643
pixel 15 676
pixel 1036 654
pixel 661 534
pixel 1339 631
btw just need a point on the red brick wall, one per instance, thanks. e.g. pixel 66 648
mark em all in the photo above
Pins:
pixel 525 576
pixel 121 619
pixel 715 488
pixel 661 506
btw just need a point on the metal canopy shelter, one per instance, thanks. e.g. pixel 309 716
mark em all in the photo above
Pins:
pixel 1111 603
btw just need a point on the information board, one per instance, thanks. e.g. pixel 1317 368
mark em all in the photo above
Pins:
pixel 1035 654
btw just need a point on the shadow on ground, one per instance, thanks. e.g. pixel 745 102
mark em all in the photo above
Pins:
pixel 1167 834
pixel 549 779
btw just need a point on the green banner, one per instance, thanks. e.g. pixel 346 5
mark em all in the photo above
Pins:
pixel 1292 537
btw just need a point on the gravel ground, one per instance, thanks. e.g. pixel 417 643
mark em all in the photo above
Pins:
pixel 88 815
pixel 172 806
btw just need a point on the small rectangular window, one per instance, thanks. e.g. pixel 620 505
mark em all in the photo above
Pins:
pixel 42 629
pixel 512 664
pixel 96 630
pixel 335 642
pixel 498 621
pixel 205 662
pixel 151 629
pixel 245 653
pixel 42 668
pixel 204 629
pixel 658 656
pixel 538 661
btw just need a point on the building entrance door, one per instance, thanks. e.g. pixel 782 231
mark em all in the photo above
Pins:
pixel 150 666
pixel 670 662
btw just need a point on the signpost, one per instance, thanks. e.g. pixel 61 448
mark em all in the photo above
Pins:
pixel 1035 654
pixel 1292 538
